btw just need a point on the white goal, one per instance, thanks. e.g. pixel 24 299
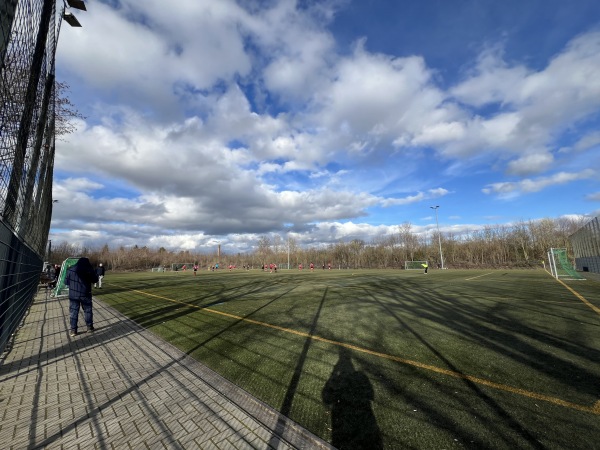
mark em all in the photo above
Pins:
pixel 560 266
pixel 415 265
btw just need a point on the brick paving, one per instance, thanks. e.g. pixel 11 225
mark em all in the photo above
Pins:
pixel 123 387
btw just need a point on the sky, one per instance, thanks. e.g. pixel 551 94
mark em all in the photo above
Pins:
pixel 220 122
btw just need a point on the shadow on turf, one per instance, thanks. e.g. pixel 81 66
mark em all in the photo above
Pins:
pixel 496 328
pixel 424 311
pixel 349 394
pixel 149 315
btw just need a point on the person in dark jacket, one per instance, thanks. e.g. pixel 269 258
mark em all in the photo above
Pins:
pixel 79 279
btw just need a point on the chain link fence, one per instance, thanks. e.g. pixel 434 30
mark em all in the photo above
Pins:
pixel 28 33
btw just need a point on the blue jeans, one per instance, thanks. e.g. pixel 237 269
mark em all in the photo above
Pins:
pixel 86 305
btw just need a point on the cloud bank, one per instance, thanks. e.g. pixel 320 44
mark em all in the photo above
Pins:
pixel 226 119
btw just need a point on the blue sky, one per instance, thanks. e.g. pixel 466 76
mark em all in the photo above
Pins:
pixel 221 122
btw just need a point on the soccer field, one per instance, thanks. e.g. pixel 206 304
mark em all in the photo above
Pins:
pixel 392 359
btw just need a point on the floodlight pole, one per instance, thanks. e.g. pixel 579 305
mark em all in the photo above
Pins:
pixel 68 16
pixel 439 235
pixel 288 251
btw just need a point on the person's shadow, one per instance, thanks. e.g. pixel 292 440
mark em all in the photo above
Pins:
pixel 349 394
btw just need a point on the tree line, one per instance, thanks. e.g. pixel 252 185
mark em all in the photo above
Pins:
pixel 522 245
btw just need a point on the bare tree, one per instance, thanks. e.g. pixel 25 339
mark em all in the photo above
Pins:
pixel 13 95
pixel 65 111
pixel 522 245
pixel 264 249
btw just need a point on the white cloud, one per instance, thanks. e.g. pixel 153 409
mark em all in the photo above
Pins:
pixel 442 132
pixel 141 48
pixel 533 107
pixel 377 96
pixel 491 81
pixel 228 117
pixel 585 143
pixel 530 164
pixel 419 197
pixel 508 189
pixel 74 184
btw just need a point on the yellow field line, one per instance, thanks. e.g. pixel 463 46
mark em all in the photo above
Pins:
pixel 580 297
pixel 570 302
pixel 595 409
pixel 479 276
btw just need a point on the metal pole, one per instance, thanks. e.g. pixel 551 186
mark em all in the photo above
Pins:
pixel 439 235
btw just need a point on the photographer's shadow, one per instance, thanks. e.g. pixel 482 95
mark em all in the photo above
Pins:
pixel 349 395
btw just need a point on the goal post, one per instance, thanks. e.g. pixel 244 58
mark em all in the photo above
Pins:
pixel 560 266
pixel 415 265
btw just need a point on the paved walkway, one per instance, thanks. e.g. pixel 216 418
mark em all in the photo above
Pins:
pixel 122 387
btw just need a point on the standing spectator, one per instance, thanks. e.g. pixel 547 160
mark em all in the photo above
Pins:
pixel 79 279
pixel 195 269
pixel 100 273
pixel 51 273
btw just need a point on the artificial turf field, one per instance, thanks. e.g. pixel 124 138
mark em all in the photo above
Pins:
pixel 392 359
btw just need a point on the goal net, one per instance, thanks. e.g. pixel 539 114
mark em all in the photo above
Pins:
pixel 415 265
pixel 61 288
pixel 560 266
pixel 158 269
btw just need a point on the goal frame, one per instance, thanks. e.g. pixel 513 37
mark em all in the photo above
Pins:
pixel 61 286
pixel 560 267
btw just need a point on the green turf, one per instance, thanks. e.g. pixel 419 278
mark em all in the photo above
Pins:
pixel 378 384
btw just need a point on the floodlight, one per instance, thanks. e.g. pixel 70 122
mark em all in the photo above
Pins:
pixel 71 19
pixel 77 4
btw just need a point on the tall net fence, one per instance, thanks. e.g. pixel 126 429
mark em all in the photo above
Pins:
pixel 28 35
pixel 586 246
